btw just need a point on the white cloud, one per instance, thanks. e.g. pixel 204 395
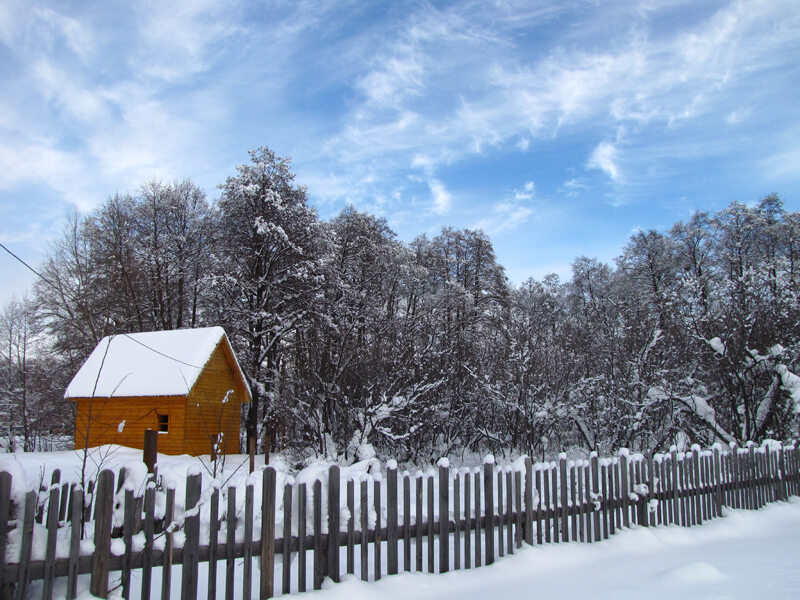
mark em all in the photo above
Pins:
pixel 182 38
pixel 644 76
pixel 510 213
pixel 604 158
pixel 442 200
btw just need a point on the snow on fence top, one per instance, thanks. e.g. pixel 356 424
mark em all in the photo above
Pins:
pixel 156 363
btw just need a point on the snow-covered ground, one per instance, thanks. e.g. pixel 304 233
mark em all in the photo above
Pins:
pixel 747 555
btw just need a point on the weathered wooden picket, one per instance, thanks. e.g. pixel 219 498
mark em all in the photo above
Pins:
pixel 489 512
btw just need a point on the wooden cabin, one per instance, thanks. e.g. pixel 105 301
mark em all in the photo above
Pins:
pixel 186 384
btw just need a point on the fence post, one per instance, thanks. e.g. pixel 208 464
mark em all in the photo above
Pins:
pixel 333 522
pixel 488 494
pixel 391 518
pixel 562 482
pixel 624 487
pixel 52 533
pixel 782 483
pixel 5 508
pixel 697 484
pixel 166 569
pixel 444 515
pixel 528 501
pixel 717 482
pixel 103 501
pixel 150 451
pixel 268 533
pixel 595 470
pixel 189 568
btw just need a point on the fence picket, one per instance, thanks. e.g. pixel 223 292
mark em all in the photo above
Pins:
pixel 391 521
pixel 612 496
pixel 418 521
pixel 191 526
pixel 5 510
pixel 230 542
pixel 581 504
pixel 546 507
pixel 562 483
pixel 605 500
pixel 406 522
pixel 52 534
pixel 539 499
pixel 247 572
pixel 456 521
pixel 651 492
pixel 334 481
pixel 573 506
pixel 528 501
pixel 588 503
pixel 624 487
pixel 319 557
pixel 509 512
pixel 301 536
pixel 698 506
pixel 500 516
pixel 468 521
pixel 166 568
pixel 488 496
pixel 27 543
pixel 376 497
pixel 268 532
pixel 596 536
pixel 444 517
pixel 553 468
pixel 351 527
pixel 476 479
pixel 364 530
pixel 431 523
pixel 75 515
pixel 286 555
pixel 103 500
pixel 127 538
pixel 213 538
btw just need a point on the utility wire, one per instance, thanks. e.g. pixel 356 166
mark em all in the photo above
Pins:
pixel 55 287
pixel 34 271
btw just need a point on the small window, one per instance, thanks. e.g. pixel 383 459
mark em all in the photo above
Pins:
pixel 163 423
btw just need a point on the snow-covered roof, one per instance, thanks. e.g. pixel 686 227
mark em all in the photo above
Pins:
pixel 156 363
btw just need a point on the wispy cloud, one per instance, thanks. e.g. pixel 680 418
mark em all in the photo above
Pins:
pixel 442 200
pixel 644 79
pixel 422 113
pixel 604 157
pixel 509 213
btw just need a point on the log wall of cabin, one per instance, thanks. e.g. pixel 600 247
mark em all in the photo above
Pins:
pixel 206 414
pixel 139 414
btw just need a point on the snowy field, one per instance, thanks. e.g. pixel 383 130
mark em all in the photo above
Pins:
pixel 747 555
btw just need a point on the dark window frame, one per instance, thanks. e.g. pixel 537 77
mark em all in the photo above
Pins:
pixel 162 422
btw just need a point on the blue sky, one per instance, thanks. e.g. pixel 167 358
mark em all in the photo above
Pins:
pixel 557 127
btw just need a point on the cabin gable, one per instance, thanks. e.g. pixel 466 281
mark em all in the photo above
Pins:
pixel 213 405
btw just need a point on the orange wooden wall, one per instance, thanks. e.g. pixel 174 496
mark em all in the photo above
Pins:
pixel 138 413
pixel 206 415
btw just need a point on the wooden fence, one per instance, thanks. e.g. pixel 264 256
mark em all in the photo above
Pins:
pixel 382 525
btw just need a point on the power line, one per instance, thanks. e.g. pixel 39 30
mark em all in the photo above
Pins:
pixel 34 271
pixel 55 287
pixel 133 339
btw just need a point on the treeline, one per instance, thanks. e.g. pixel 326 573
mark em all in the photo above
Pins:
pixel 350 337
